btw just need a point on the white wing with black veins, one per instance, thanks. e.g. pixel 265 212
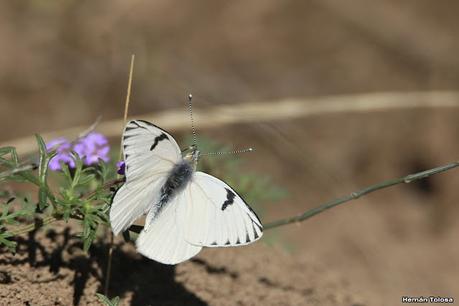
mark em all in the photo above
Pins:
pixel 148 150
pixel 149 154
pixel 215 215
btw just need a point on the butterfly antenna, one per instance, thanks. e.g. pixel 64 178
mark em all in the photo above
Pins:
pixel 195 140
pixel 190 108
pixel 228 152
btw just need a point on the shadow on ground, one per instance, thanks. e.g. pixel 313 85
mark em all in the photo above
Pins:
pixel 148 282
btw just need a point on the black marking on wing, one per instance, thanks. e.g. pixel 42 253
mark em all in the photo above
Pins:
pixel 146 122
pixel 256 219
pixel 247 238
pixel 227 242
pixel 214 243
pixel 254 231
pixel 238 241
pixel 152 125
pixel 255 214
pixel 229 198
pixel 259 227
pixel 157 140
pixel 138 125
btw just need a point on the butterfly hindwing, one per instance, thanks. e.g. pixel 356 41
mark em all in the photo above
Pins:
pixel 162 238
pixel 215 215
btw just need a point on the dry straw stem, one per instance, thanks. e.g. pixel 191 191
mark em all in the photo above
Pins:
pixel 286 109
pixel 108 270
pixel 128 98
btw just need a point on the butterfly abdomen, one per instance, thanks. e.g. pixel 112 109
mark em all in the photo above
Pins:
pixel 178 178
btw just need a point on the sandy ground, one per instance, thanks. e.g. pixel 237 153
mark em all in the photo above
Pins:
pixel 56 272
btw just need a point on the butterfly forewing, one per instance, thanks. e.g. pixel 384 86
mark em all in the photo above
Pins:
pixel 148 150
pixel 149 153
pixel 132 200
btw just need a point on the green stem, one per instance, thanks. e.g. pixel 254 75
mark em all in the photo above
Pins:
pixel 357 194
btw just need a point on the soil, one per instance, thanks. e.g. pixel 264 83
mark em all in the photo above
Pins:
pixel 62 65
pixel 51 269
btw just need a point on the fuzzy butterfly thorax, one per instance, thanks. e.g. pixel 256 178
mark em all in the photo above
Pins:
pixel 179 176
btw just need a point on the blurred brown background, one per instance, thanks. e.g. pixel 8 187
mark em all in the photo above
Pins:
pixel 67 61
pixel 64 63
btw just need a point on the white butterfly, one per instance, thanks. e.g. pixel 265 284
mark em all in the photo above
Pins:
pixel 186 209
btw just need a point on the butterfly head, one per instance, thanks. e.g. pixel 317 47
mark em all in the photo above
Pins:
pixel 192 155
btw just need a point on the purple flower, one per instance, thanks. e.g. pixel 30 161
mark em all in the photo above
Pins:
pixel 63 148
pixel 92 148
pixel 121 167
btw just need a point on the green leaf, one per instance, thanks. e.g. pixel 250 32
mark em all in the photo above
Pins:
pixel 115 301
pixel 78 169
pixel 12 152
pixel 87 179
pixel 11 245
pixel 5 211
pixel 106 301
pixel 45 157
pixel 66 172
pixel 103 299
pixel 89 230
pixel 5 150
